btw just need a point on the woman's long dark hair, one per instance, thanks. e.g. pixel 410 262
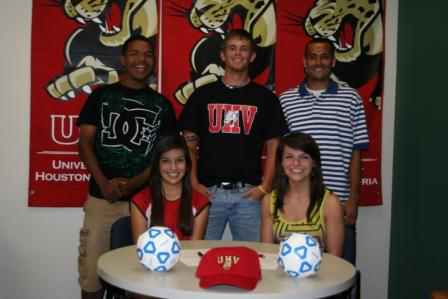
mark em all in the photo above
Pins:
pixel 185 220
pixel 305 143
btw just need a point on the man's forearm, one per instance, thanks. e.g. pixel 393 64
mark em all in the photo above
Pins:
pixel 192 141
pixel 355 175
pixel 139 180
pixel 89 159
pixel 269 166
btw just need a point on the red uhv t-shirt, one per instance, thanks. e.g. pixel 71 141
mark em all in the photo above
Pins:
pixel 143 201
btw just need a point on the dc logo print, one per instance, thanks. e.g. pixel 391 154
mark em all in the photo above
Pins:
pixel 134 128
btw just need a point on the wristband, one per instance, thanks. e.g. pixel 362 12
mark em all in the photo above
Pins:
pixel 260 187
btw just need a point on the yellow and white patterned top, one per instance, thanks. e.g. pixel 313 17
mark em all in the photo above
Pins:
pixel 316 227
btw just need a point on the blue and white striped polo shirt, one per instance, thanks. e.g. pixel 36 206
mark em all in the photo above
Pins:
pixel 337 122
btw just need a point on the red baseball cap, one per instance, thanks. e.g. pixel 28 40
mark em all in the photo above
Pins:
pixel 237 266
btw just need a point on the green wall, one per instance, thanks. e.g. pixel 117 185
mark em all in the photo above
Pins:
pixel 419 229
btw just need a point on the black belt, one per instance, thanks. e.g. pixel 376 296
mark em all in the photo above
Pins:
pixel 231 185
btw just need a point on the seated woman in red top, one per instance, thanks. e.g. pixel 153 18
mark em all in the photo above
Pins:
pixel 169 200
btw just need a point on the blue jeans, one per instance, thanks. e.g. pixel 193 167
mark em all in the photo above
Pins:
pixel 349 248
pixel 242 214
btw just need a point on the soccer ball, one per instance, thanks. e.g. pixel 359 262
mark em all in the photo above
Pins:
pixel 299 255
pixel 158 249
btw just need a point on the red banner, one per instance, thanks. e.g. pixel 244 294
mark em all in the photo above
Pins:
pixel 76 47
pixel 57 177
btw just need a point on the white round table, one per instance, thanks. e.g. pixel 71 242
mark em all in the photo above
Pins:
pixel 121 268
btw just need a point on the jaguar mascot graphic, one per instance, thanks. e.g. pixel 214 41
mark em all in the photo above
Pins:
pixel 214 18
pixel 356 30
pixel 91 51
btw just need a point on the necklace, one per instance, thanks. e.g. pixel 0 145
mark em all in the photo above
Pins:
pixel 236 86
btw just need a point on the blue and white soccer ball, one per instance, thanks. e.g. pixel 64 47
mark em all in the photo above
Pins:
pixel 158 249
pixel 299 255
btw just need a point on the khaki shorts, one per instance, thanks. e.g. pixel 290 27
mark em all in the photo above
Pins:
pixel 94 237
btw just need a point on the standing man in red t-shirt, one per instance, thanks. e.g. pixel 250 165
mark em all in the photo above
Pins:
pixel 231 120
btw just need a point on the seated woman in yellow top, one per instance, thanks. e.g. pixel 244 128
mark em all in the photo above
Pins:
pixel 299 201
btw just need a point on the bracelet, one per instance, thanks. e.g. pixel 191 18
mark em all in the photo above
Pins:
pixel 260 187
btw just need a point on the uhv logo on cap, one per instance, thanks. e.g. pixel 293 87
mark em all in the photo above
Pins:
pixel 226 261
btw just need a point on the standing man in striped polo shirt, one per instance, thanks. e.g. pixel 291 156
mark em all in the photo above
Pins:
pixel 333 114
